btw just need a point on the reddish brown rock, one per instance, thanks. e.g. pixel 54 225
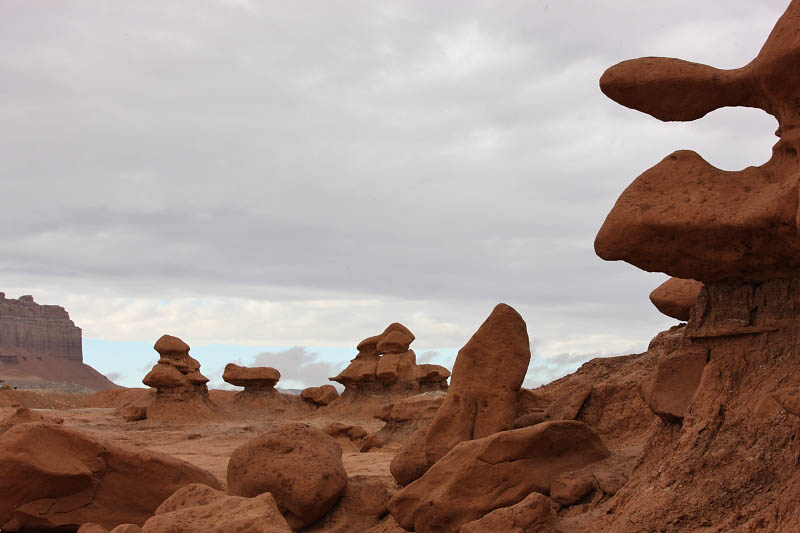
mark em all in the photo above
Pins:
pixel 410 462
pixel 572 487
pixel 132 413
pixel 479 476
pixel 56 477
pixel 338 429
pixel 181 390
pixel 609 480
pixel 385 365
pixel 530 419
pixel 789 399
pixel 371 442
pixel 407 415
pixel 301 466
pixel 23 415
pixel 41 341
pixel 487 377
pixel 533 514
pixel 320 396
pixel 676 297
pixel 671 389
pixel 198 507
pixel 251 378
pixel 568 403
pixel 362 506
pixel 687 218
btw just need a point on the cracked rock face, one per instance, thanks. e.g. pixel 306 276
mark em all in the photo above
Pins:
pixel 685 217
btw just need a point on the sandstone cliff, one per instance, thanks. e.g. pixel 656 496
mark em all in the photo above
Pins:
pixel 40 342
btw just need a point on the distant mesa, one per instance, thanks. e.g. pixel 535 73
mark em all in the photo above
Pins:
pixel 39 344
pixel 385 364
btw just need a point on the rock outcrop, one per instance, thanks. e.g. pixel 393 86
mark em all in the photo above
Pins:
pixel 23 415
pixel 299 465
pixel 687 218
pixel 40 342
pixel 181 389
pixel 676 297
pixel 386 365
pixel 534 513
pixel 320 396
pixel 482 399
pixel 55 477
pixel 479 476
pixel 259 378
pixel 198 507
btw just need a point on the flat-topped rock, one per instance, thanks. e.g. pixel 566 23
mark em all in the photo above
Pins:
pixel 259 377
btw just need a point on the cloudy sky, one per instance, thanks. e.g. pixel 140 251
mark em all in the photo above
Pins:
pixel 274 181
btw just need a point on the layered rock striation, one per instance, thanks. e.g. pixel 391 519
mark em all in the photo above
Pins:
pixel 40 342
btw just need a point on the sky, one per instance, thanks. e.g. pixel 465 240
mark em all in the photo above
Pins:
pixel 275 181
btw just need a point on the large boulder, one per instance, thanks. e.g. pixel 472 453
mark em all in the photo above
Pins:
pixel 487 377
pixel 301 466
pixel 686 218
pixel 479 476
pixel 57 478
pixel 198 507
pixel 676 297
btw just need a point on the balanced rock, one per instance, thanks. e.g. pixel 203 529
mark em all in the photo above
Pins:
pixel 479 476
pixel 198 507
pixel 181 389
pixel 260 378
pixel 386 364
pixel 55 477
pixel 687 218
pixel 301 466
pixel 320 396
pixel 676 297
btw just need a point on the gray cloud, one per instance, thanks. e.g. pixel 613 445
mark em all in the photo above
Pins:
pixel 389 157
pixel 299 367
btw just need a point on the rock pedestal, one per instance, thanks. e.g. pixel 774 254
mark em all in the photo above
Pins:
pixel 385 364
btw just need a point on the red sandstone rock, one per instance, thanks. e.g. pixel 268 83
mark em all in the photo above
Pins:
pixel 572 487
pixel 338 429
pixel 677 376
pixel 301 467
pixel 132 413
pixel 530 419
pixel 533 514
pixel 371 442
pixel 487 377
pixel 362 506
pixel 54 477
pixel 410 462
pixel 687 218
pixel 181 390
pixel 789 399
pixel 479 476
pixel 676 297
pixel 23 415
pixel 321 396
pixel 394 372
pixel 198 507
pixel 261 377
pixel 570 400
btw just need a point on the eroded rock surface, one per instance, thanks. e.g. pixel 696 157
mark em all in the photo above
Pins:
pixel 385 364
pixel 676 297
pixel 479 476
pixel 55 477
pixel 299 465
